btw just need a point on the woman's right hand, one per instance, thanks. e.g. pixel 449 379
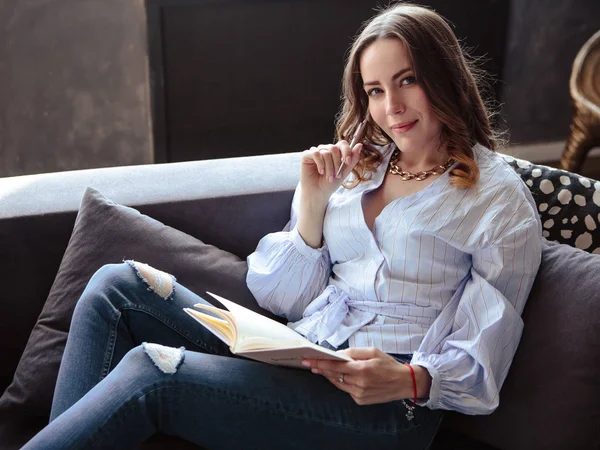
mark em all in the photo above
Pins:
pixel 319 168
pixel 318 179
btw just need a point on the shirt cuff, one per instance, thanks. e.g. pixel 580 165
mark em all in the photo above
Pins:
pixel 305 249
pixel 434 393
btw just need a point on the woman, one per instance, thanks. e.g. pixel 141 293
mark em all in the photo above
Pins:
pixel 418 268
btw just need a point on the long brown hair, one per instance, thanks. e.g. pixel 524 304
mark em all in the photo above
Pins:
pixel 443 71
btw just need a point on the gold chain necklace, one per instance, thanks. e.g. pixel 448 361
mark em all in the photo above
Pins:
pixel 419 176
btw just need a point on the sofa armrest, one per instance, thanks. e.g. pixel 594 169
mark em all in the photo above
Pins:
pixel 230 203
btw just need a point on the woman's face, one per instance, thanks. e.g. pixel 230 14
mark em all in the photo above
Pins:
pixel 397 103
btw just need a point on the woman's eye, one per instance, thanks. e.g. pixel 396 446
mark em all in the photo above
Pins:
pixel 408 80
pixel 374 91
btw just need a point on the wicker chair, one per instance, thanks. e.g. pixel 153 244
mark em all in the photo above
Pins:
pixel 584 87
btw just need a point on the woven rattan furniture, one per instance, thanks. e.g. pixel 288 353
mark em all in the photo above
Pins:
pixel 584 87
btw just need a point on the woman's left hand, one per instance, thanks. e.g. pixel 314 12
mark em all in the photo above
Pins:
pixel 373 376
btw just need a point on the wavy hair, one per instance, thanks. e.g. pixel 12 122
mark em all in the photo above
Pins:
pixel 446 75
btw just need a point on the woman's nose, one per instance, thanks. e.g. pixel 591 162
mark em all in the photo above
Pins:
pixel 394 104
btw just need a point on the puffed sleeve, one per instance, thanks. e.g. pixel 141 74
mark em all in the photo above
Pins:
pixel 284 273
pixel 469 348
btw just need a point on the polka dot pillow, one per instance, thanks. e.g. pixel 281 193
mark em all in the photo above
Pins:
pixel 568 204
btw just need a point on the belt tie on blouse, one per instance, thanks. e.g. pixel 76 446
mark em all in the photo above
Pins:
pixel 330 319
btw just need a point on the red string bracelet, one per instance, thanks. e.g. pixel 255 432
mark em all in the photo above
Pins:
pixel 414 380
pixel 410 415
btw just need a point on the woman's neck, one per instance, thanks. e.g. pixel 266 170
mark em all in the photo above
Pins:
pixel 420 161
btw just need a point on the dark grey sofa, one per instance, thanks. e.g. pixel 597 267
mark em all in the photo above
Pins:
pixel 232 203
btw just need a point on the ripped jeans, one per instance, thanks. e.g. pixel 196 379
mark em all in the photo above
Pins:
pixel 114 392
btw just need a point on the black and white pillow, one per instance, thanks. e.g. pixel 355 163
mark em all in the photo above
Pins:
pixel 568 204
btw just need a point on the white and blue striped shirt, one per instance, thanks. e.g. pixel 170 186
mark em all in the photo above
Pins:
pixel 444 275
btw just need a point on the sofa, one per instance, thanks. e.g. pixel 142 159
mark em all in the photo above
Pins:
pixel 199 220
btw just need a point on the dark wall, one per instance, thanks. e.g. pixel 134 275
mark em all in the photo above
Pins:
pixel 239 61
pixel 73 85
pixel 543 40
pixel 246 77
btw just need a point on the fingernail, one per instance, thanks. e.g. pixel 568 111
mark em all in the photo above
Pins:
pixel 305 363
pixel 331 178
pixel 315 371
pixel 321 171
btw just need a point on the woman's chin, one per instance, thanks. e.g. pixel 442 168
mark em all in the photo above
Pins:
pixel 406 145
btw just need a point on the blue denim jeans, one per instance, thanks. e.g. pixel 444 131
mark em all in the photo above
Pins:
pixel 112 394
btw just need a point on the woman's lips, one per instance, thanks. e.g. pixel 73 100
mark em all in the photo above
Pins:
pixel 403 128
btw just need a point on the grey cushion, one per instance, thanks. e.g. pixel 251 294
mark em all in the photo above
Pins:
pixel 551 397
pixel 106 232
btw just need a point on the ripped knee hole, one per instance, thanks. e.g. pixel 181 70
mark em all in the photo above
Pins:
pixel 159 282
pixel 167 359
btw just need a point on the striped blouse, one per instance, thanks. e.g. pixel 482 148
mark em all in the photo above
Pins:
pixel 443 275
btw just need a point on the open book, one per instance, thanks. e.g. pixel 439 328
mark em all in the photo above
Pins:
pixel 257 337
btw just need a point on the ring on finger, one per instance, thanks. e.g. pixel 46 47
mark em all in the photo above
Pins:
pixel 341 378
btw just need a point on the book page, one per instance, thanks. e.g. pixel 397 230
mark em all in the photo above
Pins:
pixel 221 328
pixel 254 331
